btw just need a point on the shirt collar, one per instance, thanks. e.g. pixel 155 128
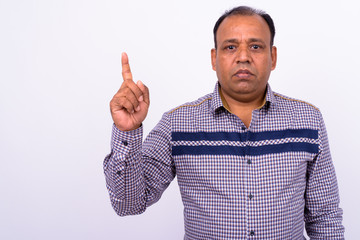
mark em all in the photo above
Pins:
pixel 218 103
pixel 270 98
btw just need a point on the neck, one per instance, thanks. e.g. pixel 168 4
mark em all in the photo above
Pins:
pixel 242 107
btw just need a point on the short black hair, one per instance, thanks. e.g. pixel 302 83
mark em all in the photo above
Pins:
pixel 246 11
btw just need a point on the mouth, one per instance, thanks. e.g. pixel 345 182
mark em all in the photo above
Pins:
pixel 243 74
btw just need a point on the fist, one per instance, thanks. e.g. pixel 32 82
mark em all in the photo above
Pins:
pixel 130 104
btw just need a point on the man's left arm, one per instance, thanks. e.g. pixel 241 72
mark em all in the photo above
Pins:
pixel 323 216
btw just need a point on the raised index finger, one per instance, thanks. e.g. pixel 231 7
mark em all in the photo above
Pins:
pixel 126 72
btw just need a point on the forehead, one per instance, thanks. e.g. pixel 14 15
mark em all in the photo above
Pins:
pixel 238 26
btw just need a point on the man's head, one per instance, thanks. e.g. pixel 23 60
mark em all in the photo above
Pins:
pixel 246 11
pixel 244 54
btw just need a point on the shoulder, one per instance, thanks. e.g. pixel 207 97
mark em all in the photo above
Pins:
pixel 297 113
pixel 283 101
pixel 189 115
pixel 201 103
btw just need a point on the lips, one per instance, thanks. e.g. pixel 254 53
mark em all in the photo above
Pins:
pixel 243 73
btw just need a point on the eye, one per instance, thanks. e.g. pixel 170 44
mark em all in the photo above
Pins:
pixel 255 46
pixel 230 47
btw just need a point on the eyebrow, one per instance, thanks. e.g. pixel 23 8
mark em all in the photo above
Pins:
pixel 251 40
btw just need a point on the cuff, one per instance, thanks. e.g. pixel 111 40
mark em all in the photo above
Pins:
pixel 126 142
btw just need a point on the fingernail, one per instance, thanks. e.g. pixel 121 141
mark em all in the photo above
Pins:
pixel 137 109
pixel 141 98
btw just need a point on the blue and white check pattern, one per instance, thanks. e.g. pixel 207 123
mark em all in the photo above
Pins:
pixel 262 182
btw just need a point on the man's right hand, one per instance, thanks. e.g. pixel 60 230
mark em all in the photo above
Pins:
pixel 130 104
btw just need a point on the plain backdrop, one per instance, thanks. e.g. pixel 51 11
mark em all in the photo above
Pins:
pixel 60 67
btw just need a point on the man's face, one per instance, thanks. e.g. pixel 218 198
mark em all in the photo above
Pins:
pixel 244 58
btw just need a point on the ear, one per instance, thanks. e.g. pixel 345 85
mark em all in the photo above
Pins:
pixel 273 57
pixel 213 59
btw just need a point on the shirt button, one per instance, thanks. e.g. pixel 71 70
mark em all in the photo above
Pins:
pixel 250 196
pixel 243 128
pixel 118 172
pixel 252 233
pixel 125 143
pixel 248 161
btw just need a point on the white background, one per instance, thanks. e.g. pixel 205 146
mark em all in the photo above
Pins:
pixel 60 66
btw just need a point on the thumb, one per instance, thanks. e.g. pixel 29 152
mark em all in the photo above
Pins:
pixel 145 92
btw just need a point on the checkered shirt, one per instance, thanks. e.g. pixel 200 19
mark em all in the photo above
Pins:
pixel 266 181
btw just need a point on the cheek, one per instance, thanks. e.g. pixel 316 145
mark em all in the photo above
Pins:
pixel 223 64
pixel 221 72
pixel 218 66
pixel 263 65
pixel 218 73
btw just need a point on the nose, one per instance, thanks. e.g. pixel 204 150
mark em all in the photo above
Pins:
pixel 243 55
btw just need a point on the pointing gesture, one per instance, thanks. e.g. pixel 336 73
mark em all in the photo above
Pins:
pixel 130 104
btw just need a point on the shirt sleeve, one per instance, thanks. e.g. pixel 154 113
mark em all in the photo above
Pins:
pixel 137 174
pixel 323 217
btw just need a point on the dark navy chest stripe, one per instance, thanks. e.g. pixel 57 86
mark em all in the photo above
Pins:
pixel 247 150
pixel 246 136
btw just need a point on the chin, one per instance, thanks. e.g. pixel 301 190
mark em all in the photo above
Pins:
pixel 243 87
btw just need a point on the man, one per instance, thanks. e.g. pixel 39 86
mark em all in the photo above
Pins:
pixel 250 163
